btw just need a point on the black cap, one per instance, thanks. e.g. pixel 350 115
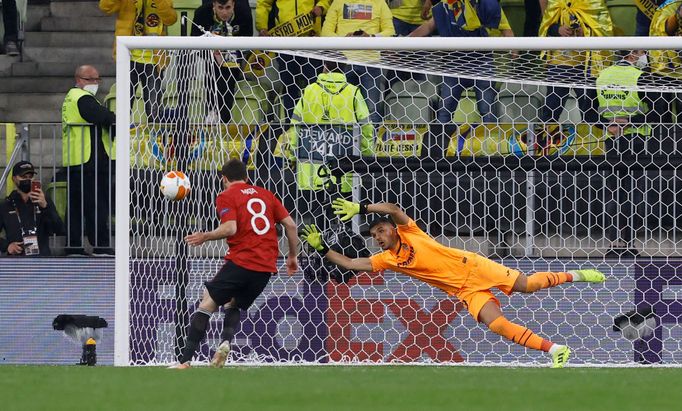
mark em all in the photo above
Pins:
pixel 22 167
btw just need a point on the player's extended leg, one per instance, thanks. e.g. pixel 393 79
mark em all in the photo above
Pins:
pixel 540 280
pixel 197 329
pixel 230 322
pixel 491 315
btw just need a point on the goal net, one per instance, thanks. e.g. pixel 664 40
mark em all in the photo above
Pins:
pixel 498 146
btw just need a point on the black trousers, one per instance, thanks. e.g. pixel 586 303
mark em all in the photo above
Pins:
pixel 9 19
pixel 149 76
pixel 533 18
pixel 220 90
pixel 625 191
pixel 90 207
pixel 556 95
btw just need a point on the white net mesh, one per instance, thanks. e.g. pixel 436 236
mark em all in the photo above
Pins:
pixel 505 154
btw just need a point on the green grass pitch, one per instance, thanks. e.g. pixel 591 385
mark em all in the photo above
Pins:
pixel 339 388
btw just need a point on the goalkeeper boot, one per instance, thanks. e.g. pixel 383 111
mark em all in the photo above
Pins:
pixel 180 366
pixel 589 276
pixel 560 357
pixel 220 355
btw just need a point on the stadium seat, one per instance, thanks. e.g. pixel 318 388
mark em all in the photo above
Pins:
pixel 623 16
pixel 466 111
pixel 519 103
pixel 571 113
pixel 250 103
pixel 408 102
pixel 516 14
pixel 183 7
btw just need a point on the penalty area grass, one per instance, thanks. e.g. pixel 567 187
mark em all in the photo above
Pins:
pixel 338 388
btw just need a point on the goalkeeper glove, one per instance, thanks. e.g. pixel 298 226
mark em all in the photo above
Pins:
pixel 313 237
pixel 347 209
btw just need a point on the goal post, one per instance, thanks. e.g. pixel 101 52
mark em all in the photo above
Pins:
pixel 529 192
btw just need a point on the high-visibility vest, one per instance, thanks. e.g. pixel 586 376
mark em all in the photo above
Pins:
pixel 76 139
pixel 618 97
pixel 320 105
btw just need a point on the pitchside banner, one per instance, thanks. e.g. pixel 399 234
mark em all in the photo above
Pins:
pixel 375 317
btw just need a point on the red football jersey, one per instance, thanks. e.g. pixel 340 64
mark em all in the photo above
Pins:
pixel 256 210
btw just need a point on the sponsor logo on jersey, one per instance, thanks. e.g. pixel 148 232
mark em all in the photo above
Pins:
pixel 153 20
pixel 249 191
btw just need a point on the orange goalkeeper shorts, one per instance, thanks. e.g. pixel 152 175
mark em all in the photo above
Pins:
pixel 486 274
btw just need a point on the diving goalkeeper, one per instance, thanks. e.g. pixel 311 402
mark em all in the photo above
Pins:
pixel 469 276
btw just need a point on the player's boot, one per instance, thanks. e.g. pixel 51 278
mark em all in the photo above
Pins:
pixel 180 366
pixel 220 355
pixel 589 276
pixel 560 357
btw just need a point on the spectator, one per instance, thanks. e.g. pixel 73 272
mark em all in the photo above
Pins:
pixel 645 12
pixel 222 18
pixel 534 10
pixel 362 18
pixel 143 18
pixel 88 152
pixel 407 16
pixel 9 19
pixel 452 24
pixel 625 111
pixel 292 70
pixel 27 216
pixel 578 18
pixel 504 29
pixel 329 100
pixel 668 63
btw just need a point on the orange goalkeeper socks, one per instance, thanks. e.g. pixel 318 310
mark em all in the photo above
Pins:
pixel 518 334
pixel 543 279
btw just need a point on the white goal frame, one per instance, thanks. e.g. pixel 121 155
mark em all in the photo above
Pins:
pixel 125 44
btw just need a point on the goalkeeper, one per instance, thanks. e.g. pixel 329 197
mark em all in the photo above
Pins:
pixel 469 276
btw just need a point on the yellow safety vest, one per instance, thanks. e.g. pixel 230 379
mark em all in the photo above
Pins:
pixel 322 105
pixel 618 97
pixel 76 140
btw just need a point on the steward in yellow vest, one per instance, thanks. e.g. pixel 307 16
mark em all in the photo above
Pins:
pixel 87 153
pixel 81 142
pixel 621 105
pixel 331 100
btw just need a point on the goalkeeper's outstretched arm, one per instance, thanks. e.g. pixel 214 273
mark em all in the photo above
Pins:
pixel 397 214
pixel 355 264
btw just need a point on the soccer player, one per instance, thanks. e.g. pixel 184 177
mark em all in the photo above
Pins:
pixel 469 276
pixel 247 220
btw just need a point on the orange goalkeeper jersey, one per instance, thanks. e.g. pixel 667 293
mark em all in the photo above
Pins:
pixel 424 258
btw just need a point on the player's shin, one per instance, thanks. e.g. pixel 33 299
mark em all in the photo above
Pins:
pixel 519 334
pixel 542 280
pixel 197 332
pixel 230 323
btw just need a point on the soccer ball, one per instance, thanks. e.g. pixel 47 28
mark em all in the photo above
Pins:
pixel 175 185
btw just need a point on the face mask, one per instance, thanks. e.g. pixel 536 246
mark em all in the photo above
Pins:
pixel 24 186
pixel 642 62
pixel 91 88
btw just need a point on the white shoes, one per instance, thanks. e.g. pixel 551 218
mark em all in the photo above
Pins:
pixel 220 355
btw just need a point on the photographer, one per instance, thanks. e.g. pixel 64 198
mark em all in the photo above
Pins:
pixel 26 216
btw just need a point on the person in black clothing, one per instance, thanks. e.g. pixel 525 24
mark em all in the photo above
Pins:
pixel 27 216
pixel 94 173
pixel 222 18
pixel 10 20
